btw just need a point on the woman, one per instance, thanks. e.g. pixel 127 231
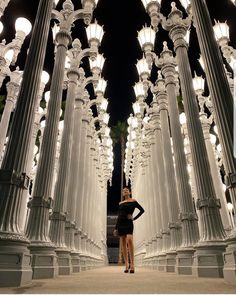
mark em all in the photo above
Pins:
pixel 124 227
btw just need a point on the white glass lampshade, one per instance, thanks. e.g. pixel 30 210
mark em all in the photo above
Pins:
pixel 101 86
pixel 146 36
pixel 106 118
pixel 22 24
pixel 213 139
pixel 221 30
pixel 185 3
pixel 198 83
pixel 43 124
pixel 97 63
pixel 142 67
pixel 94 31
pixel 104 104
pixel 139 89
pixel 136 108
pixel 56 2
pixel 182 118
pixel 1 27
pixel 45 77
pixel 9 55
pixel 230 206
pixel 47 96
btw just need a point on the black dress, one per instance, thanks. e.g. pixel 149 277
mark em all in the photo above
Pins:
pixel 124 225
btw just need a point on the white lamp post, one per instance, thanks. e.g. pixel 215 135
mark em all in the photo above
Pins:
pixel 96 65
pixel 94 34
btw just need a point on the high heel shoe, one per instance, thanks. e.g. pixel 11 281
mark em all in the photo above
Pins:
pixel 126 270
pixel 131 271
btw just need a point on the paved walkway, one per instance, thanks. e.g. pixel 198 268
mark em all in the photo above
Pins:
pixel 112 280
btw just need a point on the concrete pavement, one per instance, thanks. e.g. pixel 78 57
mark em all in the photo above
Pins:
pixel 112 280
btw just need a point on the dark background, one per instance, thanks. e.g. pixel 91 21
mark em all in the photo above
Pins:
pixel 121 20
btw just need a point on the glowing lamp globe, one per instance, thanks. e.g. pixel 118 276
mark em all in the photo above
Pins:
pixel 221 31
pixel 146 36
pixel 139 89
pixel 22 24
pixel 45 77
pixel 47 96
pixel 97 63
pixel 230 206
pixel 142 67
pixel 1 27
pixel 94 32
pixel 101 86
pixel 182 118
pixel 198 84
pixel 213 139
pixel 136 108
pixel 9 55
pixel 104 104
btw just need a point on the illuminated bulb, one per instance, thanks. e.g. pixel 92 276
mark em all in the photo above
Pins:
pixel 22 24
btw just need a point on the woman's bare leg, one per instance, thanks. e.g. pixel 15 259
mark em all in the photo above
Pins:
pixel 131 250
pixel 124 251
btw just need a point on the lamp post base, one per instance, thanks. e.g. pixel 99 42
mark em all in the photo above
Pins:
pixel 161 262
pixel 64 261
pixel 170 261
pixel 184 261
pixel 208 260
pixel 75 261
pixel 230 262
pixel 15 263
pixel 44 261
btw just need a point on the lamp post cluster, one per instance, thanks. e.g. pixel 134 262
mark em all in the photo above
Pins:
pixel 70 167
pixel 196 222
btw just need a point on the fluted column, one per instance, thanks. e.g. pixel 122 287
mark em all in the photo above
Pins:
pixel 211 228
pixel 39 214
pixel 61 197
pixel 80 186
pixel 172 194
pixel 157 187
pixel 206 124
pixel 13 180
pixel 223 105
pixel 3 6
pixel 73 179
pixel 188 217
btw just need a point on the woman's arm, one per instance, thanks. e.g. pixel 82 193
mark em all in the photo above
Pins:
pixel 141 210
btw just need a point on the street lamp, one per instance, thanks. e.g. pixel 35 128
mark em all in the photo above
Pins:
pixel 198 84
pixel 94 33
pixel 101 86
pixel 143 70
pixel 139 90
pixel 23 28
pixel 146 39
pixel 221 31
pixel 96 65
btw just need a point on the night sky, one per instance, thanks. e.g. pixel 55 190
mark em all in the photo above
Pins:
pixel 121 20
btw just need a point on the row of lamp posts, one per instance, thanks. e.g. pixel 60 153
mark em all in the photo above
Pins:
pixel 196 234
pixel 74 161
